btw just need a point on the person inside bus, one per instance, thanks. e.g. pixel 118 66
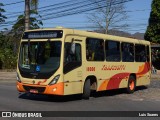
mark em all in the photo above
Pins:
pixel 89 54
pixel 99 54
pixel 127 56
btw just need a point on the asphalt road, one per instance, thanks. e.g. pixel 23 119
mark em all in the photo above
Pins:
pixel 115 100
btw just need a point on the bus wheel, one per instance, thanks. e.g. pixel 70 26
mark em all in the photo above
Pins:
pixel 131 84
pixel 86 90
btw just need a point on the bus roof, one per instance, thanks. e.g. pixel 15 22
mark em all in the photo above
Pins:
pixel 94 35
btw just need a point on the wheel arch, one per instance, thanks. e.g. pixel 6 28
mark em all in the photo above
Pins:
pixel 93 82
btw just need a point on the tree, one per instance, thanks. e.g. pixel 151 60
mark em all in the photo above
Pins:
pixel 110 16
pixel 9 41
pixel 18 28
pixel 2 17
pixel 34 4
pixel 152 33
pixel 7 57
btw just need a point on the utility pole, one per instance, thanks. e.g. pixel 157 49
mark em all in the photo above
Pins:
pixel 27 15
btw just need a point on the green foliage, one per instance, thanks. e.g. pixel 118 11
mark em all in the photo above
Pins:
pixel 7 56
pixel 153 30
pixel 8 59
pixel 9 41
pixel 18 27
pixel 2 17
pixel 34 4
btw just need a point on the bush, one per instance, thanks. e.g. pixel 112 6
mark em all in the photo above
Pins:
pixel 8 60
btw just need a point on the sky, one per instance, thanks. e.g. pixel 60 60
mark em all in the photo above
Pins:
pixel 138 15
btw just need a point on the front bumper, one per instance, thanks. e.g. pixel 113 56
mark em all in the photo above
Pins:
pixel 56 89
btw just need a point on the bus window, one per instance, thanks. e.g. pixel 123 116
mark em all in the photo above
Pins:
pixel 127 52
pixel 72 60
pixel 140 53
pixel 39 57
pixel 112 51
pixel 94 49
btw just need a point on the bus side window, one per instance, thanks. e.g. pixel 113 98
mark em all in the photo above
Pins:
pixel 127 52
pixel 94 49
pixel 112 49
pixel 140 53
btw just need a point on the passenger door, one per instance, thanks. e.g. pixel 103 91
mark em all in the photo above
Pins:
pixel 72 66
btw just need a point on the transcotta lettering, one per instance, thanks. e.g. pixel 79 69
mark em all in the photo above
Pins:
pixel 113 67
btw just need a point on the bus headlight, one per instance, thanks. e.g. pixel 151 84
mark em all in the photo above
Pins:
pixel 55 79
pixel 18 79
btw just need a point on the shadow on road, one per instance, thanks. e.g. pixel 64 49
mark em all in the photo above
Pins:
pixel 54 98
pixel 50 98
pixel 116 92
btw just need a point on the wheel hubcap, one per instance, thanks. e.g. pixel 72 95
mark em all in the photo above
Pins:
pixel 131 85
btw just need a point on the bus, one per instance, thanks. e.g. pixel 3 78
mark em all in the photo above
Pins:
pixel 62 61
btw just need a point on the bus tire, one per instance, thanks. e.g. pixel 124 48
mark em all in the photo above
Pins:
pixel 131 85
pixel 86 90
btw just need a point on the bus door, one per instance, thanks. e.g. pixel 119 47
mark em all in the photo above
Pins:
pixel 72 65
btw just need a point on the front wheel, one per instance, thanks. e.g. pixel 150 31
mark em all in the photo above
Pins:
pixel 86 90
pixel 131 84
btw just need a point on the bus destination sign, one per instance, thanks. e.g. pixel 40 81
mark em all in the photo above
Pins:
pixel 43 34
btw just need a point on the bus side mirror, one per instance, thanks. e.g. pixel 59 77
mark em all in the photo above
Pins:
pixel 73 48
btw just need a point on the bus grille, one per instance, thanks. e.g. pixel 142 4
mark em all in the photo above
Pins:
pixel 40 89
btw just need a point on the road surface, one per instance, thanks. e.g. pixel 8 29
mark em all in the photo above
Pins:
pixel 143 99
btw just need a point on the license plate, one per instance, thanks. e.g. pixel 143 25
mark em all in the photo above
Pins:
pixel 33 91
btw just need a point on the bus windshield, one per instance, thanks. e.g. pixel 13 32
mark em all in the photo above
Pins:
pixel 39 59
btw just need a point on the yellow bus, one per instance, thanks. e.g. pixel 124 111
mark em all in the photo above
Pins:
pixel 63 61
